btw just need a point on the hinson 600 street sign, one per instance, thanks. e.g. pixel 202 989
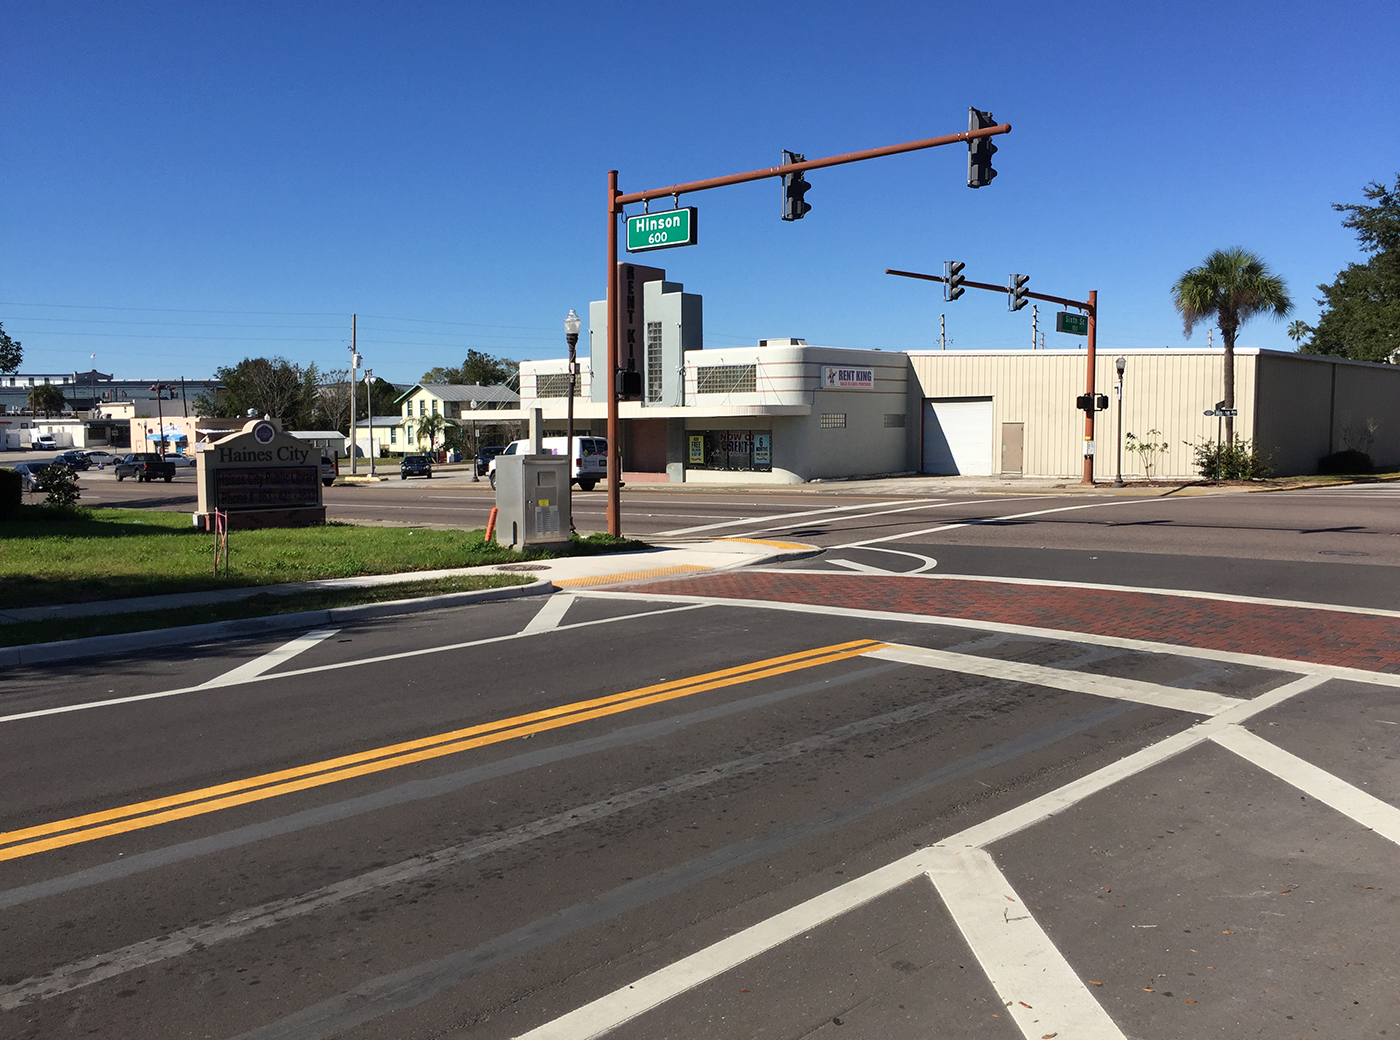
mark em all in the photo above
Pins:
pixel 675 227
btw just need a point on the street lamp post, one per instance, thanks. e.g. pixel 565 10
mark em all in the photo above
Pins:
pixel 1121 364
pixel 159 388
pixel 571 327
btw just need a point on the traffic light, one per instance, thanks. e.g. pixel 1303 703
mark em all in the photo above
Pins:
pixel 1102 402
pixel 953 279
pixel 794 187
pixel 1016 298
pixel 1084 402
pixel 980 150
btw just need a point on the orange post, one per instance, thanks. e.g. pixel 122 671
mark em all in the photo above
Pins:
pixel 491 524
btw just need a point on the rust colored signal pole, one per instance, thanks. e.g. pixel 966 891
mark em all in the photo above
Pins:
pixel 1089 306
pixel 617 200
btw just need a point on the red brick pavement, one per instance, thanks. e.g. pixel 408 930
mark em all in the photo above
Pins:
pixel 1298 633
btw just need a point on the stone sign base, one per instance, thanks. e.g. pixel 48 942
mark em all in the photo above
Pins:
pixel 253 519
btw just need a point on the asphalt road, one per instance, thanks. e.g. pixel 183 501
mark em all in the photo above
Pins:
pixel 972 771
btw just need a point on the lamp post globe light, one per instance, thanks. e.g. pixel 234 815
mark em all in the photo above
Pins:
pixel 1122 365
pixel 572 324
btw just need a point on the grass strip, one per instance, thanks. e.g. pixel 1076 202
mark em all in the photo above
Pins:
pixel 50 556
pixel 263 604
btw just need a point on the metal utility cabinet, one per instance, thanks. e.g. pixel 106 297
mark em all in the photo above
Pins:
pixel 532 500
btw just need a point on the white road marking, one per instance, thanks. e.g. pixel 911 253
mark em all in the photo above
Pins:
pixel 926 563
pixel 740 522
pixel 548 617
pixel 1042 993
pixel 1221 597
pixel 1283 664
pixel 252 669
pixel 849 517
pixel 851 565
pixel 293 673
pixel 1199 702
pixel 992 520
pixel 627 1002
pixel 1347 799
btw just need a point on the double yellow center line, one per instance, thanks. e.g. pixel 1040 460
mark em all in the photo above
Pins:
pixel 139 815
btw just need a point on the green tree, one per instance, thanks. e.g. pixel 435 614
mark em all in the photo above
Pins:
pixel 1298 331
pixel 1232 286
pixel 10 354
pixel 1361 309
pixel 478 367
pixel 264 386
pixel 46 398
pixel 430 426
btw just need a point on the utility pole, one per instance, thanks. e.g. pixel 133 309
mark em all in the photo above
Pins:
pixel 943 331
pixel 369 407
pixel 354 397
pixel 1035 323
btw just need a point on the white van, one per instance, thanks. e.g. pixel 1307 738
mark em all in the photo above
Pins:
pixel 590 458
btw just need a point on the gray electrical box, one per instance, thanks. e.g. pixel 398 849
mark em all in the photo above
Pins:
pixel 532 500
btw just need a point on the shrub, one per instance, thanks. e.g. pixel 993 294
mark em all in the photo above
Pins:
pixel 11 493
pixel 1238 461
pixel 61 484
pixel 1348 461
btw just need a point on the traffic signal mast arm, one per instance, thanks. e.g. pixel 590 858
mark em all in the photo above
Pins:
pixel 1081 304
pixel 809 164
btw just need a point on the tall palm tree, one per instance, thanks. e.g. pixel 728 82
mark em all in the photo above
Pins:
pixel 1298 331
pixel 1232 286
pixel 46 398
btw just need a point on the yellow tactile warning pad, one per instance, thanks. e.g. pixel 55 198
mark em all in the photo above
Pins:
pixel 609 579
pixel 776 545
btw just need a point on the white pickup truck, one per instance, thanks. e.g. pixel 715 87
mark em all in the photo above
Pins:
pixel 590 463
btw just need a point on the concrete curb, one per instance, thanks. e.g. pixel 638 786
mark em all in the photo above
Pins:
pixel 71 649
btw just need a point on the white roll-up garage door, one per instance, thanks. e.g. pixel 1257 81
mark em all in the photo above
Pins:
pixel 958 436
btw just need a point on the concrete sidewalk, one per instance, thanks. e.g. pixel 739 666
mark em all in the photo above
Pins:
pixel 609 569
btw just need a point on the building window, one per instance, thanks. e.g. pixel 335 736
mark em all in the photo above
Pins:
pixel 726 379
pixel 654 371
pixel 894 420
pixel 555 384
pixel 730 450
pixel 435 404
pixel 393 434
pixel 422 407
pixel 833 420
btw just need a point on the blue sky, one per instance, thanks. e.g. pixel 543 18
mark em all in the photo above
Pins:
pixel 189 184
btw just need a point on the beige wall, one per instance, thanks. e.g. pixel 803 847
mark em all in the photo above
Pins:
pixel 1165 390
pixel 1310 407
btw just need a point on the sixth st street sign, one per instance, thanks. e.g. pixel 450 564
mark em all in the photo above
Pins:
pixel 1074 324
pixel 676 227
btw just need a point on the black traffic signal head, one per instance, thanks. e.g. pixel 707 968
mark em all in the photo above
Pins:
pixel 1102 402
pixel 795 186
pixel 1016 298
pixel 629 384
pixel 980 150
pixel 1084 402
pixel 953 279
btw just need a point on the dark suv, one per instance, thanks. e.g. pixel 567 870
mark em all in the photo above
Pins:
pixel 484 457
pixel 416 466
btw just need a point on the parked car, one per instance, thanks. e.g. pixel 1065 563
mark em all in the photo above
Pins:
pixel 484 457
pixel 145 466
pixel 44 442
pixel 330 468
pixel 590 458
pixel 31 475
pixel 416 466
pixel 73 459
pixel 99 458
pixel 181 460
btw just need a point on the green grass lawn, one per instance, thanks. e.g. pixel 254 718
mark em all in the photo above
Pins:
pixel 51 556
pixel 261 605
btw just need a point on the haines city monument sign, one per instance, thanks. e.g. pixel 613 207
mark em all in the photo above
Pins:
pixel 260 477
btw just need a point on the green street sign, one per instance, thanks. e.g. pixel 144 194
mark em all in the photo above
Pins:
pixel 1074 324
pixel 675 227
